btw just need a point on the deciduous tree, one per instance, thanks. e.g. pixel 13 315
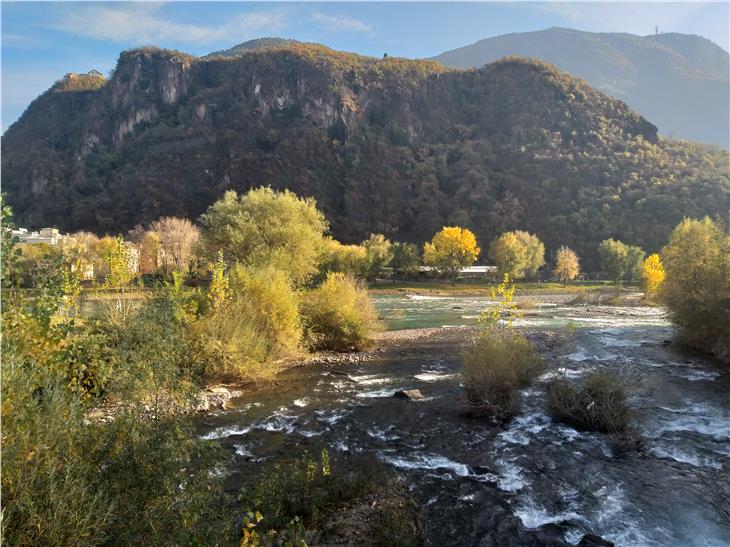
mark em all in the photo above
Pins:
pixel 178 237
pixel 652 272
pixel 697 285
pixel 517 254
pixel 567 265
pixel 451 249
pixel 406 259
pixel 265 227
pixel 378 254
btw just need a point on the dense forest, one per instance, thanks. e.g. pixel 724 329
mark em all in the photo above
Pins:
pixel 393 146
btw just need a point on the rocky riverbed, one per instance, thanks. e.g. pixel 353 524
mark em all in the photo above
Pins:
pixel 534 481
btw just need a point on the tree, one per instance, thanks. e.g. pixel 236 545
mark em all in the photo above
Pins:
pixel 265 227
pixel 348 259
pixel 535 252
pixel 517 254
pixel 652 272
pixel 117 261
pixel 177 237
pixel 406 259
pixel 567 265
pixel 378 255
pixel 634 260
pixel 149 252
pixel 614 256
pixel 450 250
pixel 697 285
pixel 9 252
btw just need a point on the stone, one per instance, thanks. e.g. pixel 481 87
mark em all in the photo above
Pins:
pixel 411 394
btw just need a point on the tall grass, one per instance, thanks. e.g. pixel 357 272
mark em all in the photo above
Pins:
pixel 499 362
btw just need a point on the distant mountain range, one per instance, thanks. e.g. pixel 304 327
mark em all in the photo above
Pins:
pixel 385 145
pixel 679 82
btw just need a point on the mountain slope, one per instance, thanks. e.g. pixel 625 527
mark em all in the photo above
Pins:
pixel 679 81
pixel 385 145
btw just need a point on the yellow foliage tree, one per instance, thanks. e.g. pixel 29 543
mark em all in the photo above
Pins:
pixel 652 271
pixel 450 250
pixel 567 265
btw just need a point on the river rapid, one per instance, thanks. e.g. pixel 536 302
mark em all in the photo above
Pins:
pixel 534 482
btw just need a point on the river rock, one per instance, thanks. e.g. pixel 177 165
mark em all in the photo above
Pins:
pixel 216 397
pixel 592 540
pixel 411 394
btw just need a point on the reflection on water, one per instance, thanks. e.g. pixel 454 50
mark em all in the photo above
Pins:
pixel 674 493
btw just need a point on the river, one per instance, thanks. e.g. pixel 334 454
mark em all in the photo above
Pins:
pixel 481 485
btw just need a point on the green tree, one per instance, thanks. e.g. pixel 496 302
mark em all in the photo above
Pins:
pixel 517 254
pixel 265 227
pixel 118 260
pixel 696 288
pixel 614 259
pixel 406 259
pixel 378 254
pixel 9 250
pixel 451 249
pixel 634 261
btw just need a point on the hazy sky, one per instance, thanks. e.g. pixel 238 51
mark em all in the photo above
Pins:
pixel 42 41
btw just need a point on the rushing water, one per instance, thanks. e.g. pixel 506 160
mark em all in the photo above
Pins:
pixel 469 477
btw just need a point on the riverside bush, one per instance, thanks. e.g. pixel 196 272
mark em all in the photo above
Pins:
pixel 498 363
pixel 598 405
pixel 111 465
pixel 338 315
pixel 696 288
pixel 241 337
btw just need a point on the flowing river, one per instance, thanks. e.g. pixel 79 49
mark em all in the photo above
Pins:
pixel 478 484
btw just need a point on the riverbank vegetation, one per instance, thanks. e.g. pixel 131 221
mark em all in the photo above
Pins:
pixel 97 439
pixel 696 289
pixel 318 500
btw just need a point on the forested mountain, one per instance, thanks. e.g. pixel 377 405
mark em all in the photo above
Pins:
pixel 385 145
pixel 680 82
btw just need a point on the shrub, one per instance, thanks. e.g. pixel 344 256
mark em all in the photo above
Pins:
pixel 338 315
pixel 697 284
pixel 70 477
pixel 335 503
pixel 272 304
pixel 245 333
pixel 498 363
pixel 599 405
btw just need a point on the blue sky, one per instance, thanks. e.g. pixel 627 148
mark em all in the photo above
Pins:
pixel 42 41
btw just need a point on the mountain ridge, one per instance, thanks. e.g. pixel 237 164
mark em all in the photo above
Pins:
pixel 681 82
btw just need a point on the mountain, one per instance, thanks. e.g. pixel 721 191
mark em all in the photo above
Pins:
pixel 680 82
pixel 391 145
pixel 258 43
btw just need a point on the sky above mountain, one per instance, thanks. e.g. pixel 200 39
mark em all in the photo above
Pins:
pixel 42 41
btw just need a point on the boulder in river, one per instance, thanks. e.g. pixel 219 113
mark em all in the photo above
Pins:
pixel 411 394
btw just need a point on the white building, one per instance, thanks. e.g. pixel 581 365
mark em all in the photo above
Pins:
pixel 49 236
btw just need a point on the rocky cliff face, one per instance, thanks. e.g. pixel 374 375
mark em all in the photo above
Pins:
pixel 389 145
